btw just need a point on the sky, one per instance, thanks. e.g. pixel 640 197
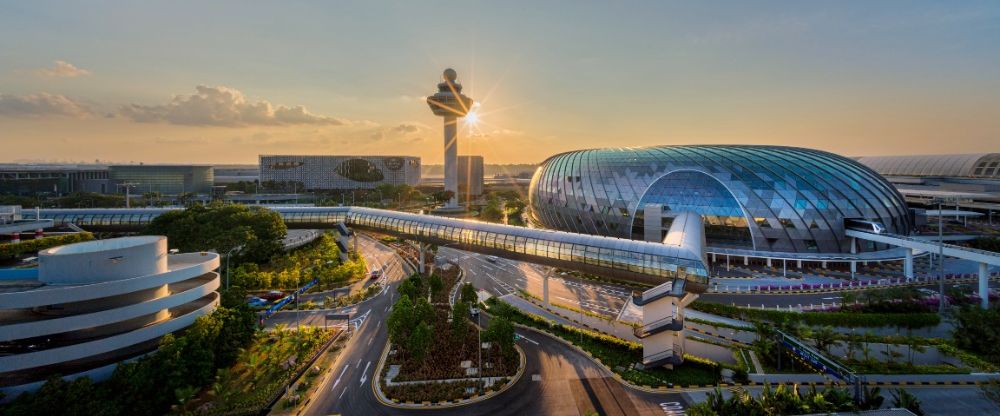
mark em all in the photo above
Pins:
pixel 225 81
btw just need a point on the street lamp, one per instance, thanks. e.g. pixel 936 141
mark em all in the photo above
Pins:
pixel 229 254
pixel 941 299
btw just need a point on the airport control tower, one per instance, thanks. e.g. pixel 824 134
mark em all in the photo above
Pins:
pixel 450 104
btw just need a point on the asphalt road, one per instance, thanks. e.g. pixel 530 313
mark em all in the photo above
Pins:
pixel 557 381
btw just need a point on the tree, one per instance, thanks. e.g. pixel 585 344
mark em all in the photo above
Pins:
pixel 400 320
pixel 491 212
pixel 824 337
pixel 501 332
pixel 436 283
pixel 903 398
pixel 420 340
pixel 459 323
pixel 256 232
pixel 976 331
pixel 408 289
pixel 469 294
pixel 423 311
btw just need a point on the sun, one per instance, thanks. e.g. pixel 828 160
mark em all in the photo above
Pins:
pixel 472 118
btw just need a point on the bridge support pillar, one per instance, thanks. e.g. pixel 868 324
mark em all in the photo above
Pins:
pixel 984 291
pixel 423 263
pixel 746 261
pixel 908 264
pixel 854 250
pixel 798 264
pixel 545 285
pixel 768 262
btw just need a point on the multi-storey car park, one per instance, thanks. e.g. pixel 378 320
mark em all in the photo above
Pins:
pixel 89 306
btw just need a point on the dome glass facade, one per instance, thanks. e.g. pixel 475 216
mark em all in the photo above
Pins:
pixel 764 198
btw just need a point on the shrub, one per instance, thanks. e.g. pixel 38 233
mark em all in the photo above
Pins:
pixel 15 250
pixel 836 319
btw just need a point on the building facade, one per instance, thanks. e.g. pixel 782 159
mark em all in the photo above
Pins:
pixel 340 172
pixel 760 198
pixel 470 175
pixel 32 180
pixel 165 179
pixel 89 306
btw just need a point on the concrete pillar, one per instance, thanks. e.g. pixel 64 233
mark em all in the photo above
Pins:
pixel 768 262
pixel 798 264
pixel 984 292
pixel 908 264
pixel 451 159
pixel 423 263
pixel 727 263
pixel 746 261
pixel 545 285
pixel 784 268
pixel 854 269
pixel 823 264
pixel 714 259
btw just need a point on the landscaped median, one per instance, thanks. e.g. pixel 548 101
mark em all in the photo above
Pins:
pixel 436 356
pixel 441 393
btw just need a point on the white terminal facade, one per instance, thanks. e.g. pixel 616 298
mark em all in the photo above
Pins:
pixel 89 306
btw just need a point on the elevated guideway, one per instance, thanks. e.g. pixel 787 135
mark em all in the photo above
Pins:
pixel 913 245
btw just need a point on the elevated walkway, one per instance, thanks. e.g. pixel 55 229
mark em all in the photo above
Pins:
pixel 912 245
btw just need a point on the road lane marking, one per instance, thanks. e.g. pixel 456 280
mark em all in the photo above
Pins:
pixel 359 362
pixel 342 394
pixel 364 374
pixel 338 378
pixel 528 339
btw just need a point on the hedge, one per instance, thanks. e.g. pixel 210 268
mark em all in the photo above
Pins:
pixel 15 250
pixel 836 319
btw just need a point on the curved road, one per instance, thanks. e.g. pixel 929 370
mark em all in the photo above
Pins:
pixel 558 380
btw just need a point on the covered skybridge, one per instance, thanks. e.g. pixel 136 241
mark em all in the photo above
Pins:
pixel 648 262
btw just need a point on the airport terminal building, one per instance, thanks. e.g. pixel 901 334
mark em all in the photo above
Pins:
pixel 340 172
pixel 753 199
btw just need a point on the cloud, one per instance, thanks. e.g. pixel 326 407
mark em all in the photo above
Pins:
pixel 223 106
pixel 41 104
pixel 62 69
pixel 406 128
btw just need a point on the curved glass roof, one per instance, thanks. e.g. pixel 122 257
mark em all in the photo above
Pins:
pixel 979 165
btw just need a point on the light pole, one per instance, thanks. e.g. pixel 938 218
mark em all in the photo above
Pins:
pixel 229 254
pixel 941 298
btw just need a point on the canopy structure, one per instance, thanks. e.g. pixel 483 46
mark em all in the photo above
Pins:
pixel 979 165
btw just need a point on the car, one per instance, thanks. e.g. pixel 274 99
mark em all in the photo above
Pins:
pixel 927 292
pixel 256 302
pixel 375 274
pixel 474 312
pixel 273 295
pixel 492 259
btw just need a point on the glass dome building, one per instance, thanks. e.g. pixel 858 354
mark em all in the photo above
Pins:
pixel 761 198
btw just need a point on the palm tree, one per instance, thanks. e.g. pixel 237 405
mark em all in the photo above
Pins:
pixel 903 398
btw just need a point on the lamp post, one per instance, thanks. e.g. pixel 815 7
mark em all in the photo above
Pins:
pixel 229 254
pixel 941 298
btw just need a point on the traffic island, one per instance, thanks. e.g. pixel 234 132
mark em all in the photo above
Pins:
pixel 436 355
pixel 440 393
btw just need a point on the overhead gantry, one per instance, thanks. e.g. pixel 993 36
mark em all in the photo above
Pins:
pixel 675 267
